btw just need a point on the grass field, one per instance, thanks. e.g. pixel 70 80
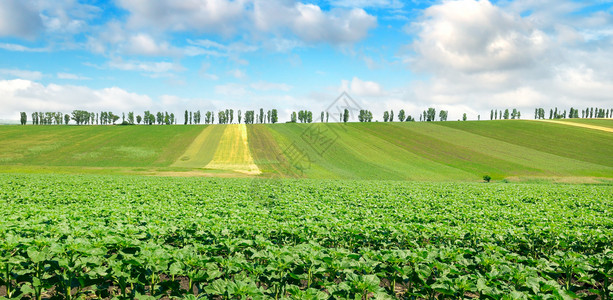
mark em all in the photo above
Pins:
pixel 598 122
pixel 94 146
pixel 577 143
pixel 439 151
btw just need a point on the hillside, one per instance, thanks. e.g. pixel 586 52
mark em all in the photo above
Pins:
pixel 440 151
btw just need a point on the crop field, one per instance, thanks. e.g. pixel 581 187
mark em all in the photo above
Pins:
pixel 122 237
pixel 517 150
pixel 233 151
pixel 201 151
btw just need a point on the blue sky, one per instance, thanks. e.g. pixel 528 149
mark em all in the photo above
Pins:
pixel 463 56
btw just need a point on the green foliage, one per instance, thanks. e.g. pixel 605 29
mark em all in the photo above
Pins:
pixel 83 237
pixel 487 178
pixel 430 114
pixel 443 115
pixel 364 116
pixel 23 118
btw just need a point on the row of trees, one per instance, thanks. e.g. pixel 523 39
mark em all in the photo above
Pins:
pixel 82 117
pixel 365 116
pixel 227 117
pixel 588 113
pixel 499 115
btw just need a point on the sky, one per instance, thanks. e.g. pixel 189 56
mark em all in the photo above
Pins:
pixel 463 56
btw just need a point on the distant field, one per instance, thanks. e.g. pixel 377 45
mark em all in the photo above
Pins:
pixel 576 143
pixel 608 123
pixel 94 146
pixel 439 151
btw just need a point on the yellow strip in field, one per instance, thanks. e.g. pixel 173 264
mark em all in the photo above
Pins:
pixel 200 152
pixel 233 151
pixel 607 129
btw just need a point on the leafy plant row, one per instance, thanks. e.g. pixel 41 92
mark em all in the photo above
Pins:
pixel 68 237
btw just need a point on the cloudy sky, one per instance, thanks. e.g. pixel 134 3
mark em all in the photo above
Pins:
pixel 464 56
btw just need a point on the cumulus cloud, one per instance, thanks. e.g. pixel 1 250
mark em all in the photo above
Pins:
pixel 476 36
pixel 217 16
pixel 26 95
pixel 306 21
pixel 478 54
pixel 144 44
pixel 311 24
pixel 19 19
pixel 66 16
pixel 362 88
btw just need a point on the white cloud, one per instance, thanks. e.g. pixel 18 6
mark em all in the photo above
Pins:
pixel 394 4
pixel 238 74
pixel 471 36
pixel 362 88
pixel 21 74
pixel 313 25
pixel 224 17
pixel 270 86
pixel 204 71
pixel 216 16
pixel 482 56
pixel 231 90
pixel 20 48
pixel 70 76
pixel 236 90
pixel 339 27
pixel 25 95
pixel 66 17
pixel 144 44
pixel 145 66
pixel 19 19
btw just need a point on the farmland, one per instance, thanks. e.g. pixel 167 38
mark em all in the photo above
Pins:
pixel 517 150
pixel 69 236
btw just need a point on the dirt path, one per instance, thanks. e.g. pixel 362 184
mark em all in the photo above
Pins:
pixel 607 129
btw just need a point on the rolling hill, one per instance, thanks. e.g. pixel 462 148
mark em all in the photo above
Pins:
pixel 439 151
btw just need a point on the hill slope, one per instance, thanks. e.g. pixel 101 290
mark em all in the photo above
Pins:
pixel 399 151
pixel 452 150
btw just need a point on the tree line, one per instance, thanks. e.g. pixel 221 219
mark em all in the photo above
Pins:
pixel 499 115
pixel 82 117
pixel 573 113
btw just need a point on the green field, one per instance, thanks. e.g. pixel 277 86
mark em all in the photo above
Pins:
pixel 596 122
pixel 94 146
pixel 438 151
pixel 134 237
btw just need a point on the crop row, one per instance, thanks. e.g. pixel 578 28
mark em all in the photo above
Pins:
pixel 133 237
